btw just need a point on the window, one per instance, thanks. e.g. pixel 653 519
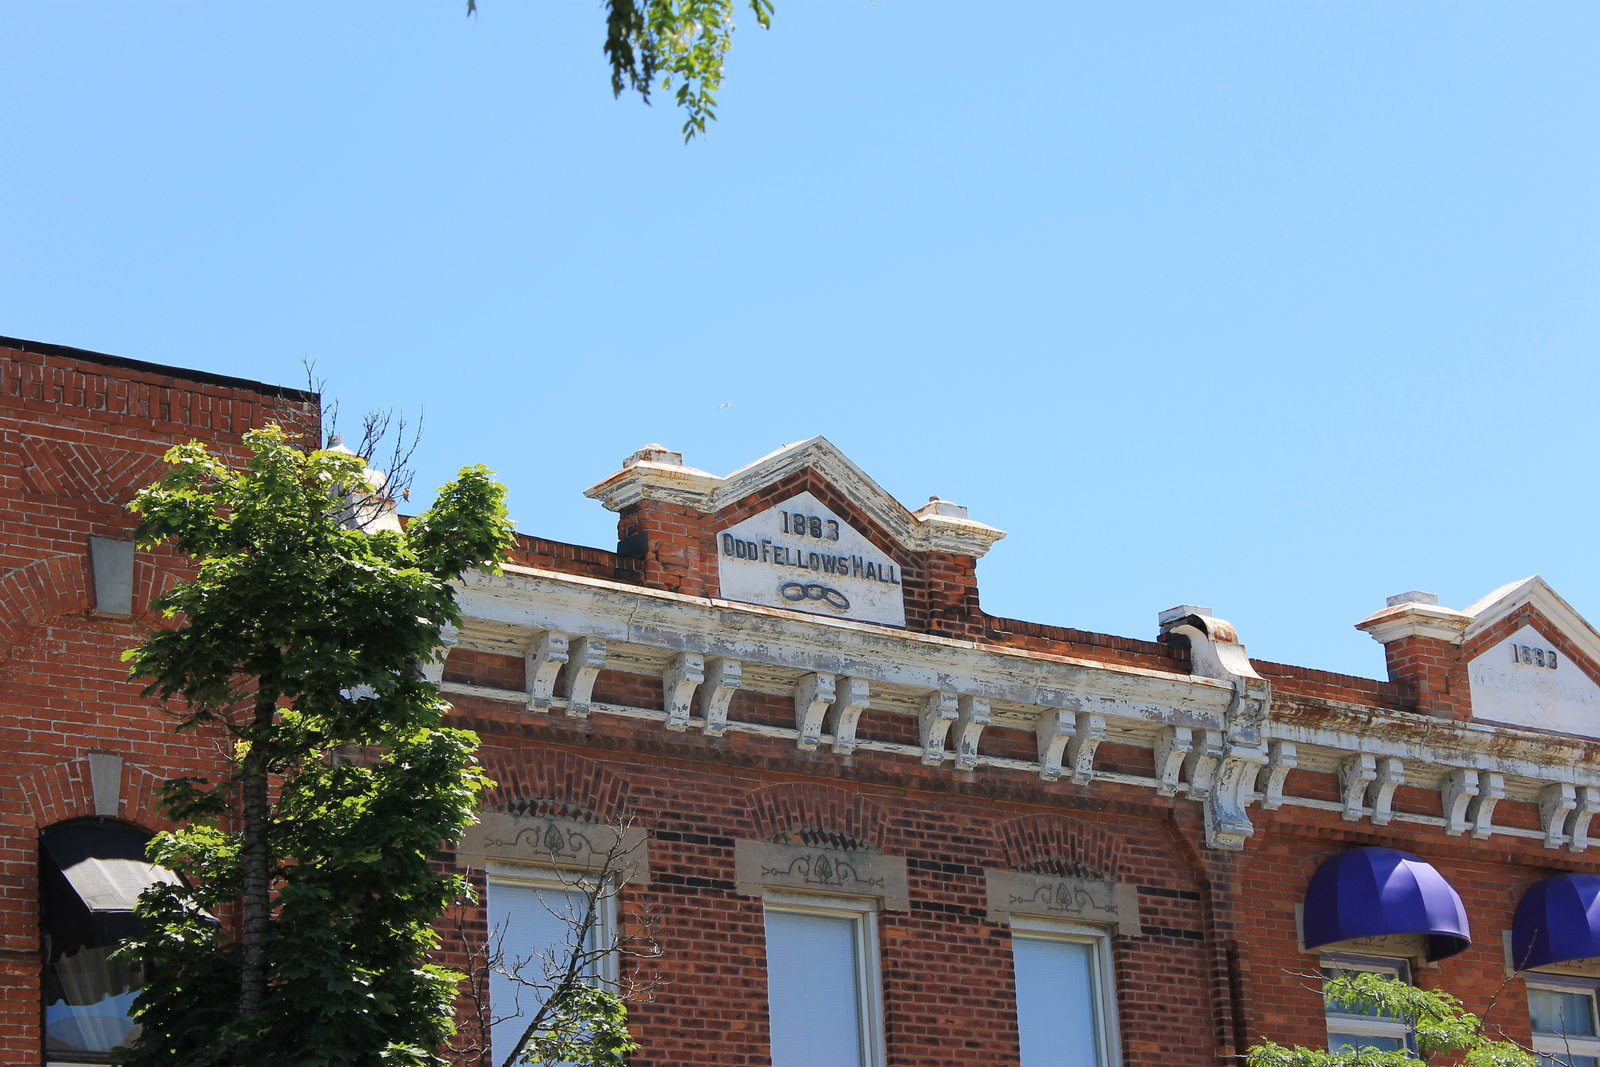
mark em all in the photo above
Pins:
pixel 1364 1028
pixel 534 918
pixel 822 981
pixel 91 873
pixel 1064 994
pixel 1564 1023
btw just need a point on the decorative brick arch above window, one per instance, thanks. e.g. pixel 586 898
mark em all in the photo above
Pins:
pixel 556 782
pixel 805 813
pixel 1060 845
pixel 37 592
pixel 100 784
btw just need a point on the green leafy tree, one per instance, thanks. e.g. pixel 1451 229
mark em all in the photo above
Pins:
pixel 1441 1025
pixel 301 639
pixel 672 43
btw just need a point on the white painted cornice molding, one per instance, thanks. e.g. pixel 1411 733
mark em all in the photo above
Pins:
pixel 1216 735
pixel 505 612
pixel 656 473
pixel 1414 618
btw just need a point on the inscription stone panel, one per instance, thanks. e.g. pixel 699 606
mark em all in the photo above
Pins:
pixel 1524 681
pixel 801 556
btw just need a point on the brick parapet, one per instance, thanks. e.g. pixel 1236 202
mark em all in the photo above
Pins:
pixel 1433 672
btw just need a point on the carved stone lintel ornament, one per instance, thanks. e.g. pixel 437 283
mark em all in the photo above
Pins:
pixel 972 715
pixel 1173 745
pixel 543 663
pixel 939 711
pixel 1556 802
pixel 760 866
pixel 585 658
pixel 852 697
pixel 1456 793
pixel 1021 894
pixel 1391 776
pixel 1200 765
pixel 1491 790
pixel 555 841
pixel 1356 772
pixel 1089 732
pixel 1054 730
pixel 1588 807
pixel 1281 759
pixel 1227 820
pixel 678 684
pixel 812 695
pixel 722 681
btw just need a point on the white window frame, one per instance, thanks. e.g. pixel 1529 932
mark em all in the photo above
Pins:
pixel 1102 974
pixel 1368 1025
pixel 1562 1046
pixel 863 912
pixel 555 880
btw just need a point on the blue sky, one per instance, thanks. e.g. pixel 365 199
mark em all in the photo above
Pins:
pixel 1273 307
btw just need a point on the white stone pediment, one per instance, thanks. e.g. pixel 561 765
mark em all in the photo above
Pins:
pixel 657 474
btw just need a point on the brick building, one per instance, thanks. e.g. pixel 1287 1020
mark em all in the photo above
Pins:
pixel 873 823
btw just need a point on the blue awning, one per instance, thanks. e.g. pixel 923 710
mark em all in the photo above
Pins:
pixel 1368 892
pixel 1557 919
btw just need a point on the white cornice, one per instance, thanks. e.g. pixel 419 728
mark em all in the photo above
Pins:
pixel 651 475
pixel 525 601
pixel 1414 619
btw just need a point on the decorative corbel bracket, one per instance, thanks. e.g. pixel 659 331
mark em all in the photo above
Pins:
pixel 1355 774
pixel 1588 807
pixel 939 711
pixel 813 693
pixel 1089 731
pixel 432 668
pixel 1227 815
pixel 850 701
pixel 1491 791
pixel 1281 759
pixel 723 677
pixel 1391 776
pixel 542 663
pixel 972 715
pixel 683 676
pixel 1556 802
pixel 586 657
pixel 1200 765
pixel 1173 745
pixel 1456 793
pixel 1053 732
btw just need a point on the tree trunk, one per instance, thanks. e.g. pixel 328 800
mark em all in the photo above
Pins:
pixel 255 858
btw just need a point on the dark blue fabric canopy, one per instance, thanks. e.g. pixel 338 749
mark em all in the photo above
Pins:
pixel 1367 892
pixel 1557 919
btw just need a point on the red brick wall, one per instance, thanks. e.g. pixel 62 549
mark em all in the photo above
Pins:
pixel 949 994
pixel 79 434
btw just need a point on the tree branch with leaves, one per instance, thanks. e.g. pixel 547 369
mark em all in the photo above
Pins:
pixel 672 44
pixel 300 639
pixel 1440 1024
